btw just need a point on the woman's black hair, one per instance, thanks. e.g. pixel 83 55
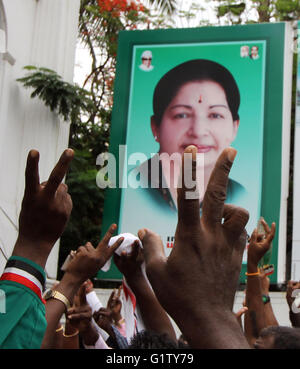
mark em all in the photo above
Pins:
pixel 190 71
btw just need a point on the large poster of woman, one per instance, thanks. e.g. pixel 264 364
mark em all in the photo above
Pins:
pixel 209 95
pixel 206 91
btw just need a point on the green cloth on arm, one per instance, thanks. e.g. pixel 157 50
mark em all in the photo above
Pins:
pixel 23 322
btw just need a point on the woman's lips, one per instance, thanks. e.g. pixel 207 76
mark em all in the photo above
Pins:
pixel 200 148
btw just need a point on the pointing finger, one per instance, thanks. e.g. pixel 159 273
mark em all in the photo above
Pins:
pixel 108 235
pixel 154 257
pixel 59 172
pixel 111 297
pixel 254 236
pixel 265 225
pixel 215 195
pixel 187 193
pixel 152 246
pixel 32 179
pixel 119 291
pixel 103 244
pixel 271 234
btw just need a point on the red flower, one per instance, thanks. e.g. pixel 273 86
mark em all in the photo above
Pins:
pixel 117 6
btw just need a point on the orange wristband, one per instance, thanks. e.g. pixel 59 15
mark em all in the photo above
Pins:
pixel 252 274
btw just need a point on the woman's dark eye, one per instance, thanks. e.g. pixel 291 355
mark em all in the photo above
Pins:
pixel 181 116
pixel 216 116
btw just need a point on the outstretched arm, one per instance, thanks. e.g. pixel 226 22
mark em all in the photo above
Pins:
pixel 270 318
pixel 153 315
pixel 85 264
pixel 80 317
pixel 255 318
pixel 202 271
pixel 114 305
pixel 46 208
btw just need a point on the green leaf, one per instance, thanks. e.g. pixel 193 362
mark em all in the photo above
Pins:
pixel 223 10
pixel 287 6
pixel 67 99
pixel 237 9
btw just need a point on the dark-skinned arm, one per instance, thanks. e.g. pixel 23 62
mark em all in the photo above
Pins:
pixel 79 318
pixel 85 264
pixel 45 210
pixel 114 305
pixel 153 315
pixel 255 316
pixel 202 271
pixel 270 318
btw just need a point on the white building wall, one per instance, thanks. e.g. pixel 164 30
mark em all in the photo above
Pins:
pixel 41 33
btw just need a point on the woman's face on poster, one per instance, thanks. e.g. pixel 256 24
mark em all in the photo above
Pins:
pixel 198 115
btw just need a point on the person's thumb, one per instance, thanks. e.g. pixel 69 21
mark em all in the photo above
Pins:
pixel 154 255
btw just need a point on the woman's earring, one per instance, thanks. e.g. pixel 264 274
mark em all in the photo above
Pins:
pixel 155 138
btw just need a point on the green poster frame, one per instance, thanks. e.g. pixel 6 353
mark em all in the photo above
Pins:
pixel 275 37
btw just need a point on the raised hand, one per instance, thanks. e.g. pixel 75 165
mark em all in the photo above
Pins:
pixel 258 315
pixel 114 304
pixel 259 244
pixel 197 283
pixel 129 264
pixel 153 315
pixel 103 317
pixel 88 260
pixel 46 208
pixel 85 263
pixel 80 314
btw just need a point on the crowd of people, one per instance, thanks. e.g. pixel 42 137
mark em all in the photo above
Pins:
pixel 195 285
